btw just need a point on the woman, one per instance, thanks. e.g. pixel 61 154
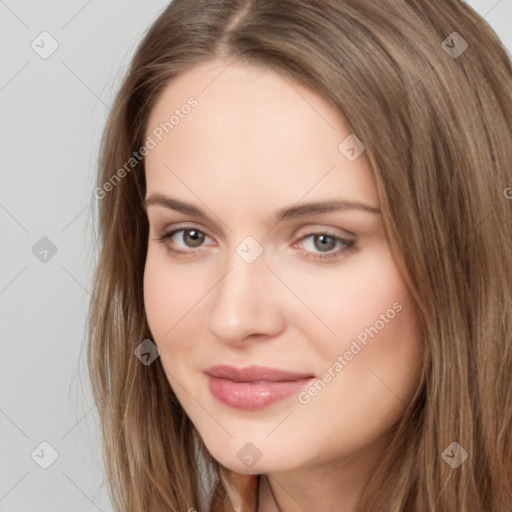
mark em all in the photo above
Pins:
pixel 302 300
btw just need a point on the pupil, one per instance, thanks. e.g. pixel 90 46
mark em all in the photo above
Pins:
pixel 195 237
pixel 323 245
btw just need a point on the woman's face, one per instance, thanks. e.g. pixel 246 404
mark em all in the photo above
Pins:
pixel 282 263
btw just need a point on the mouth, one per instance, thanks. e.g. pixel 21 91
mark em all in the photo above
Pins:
pixel 254 387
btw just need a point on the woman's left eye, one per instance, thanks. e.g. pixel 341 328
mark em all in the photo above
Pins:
pixel 323 242
pixel 326 242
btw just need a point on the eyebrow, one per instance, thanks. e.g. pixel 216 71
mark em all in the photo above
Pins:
pixel 291 212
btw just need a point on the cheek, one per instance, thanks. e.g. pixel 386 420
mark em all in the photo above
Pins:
pixel 169 302
pixel 377 337
pixel 168 295
pixel 365 300
pixel 156 297
pixel 372 364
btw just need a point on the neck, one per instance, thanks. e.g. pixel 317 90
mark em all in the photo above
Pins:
pixel 266 499
pixel 335 486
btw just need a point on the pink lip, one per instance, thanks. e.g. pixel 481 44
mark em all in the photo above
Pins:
pixel 253 387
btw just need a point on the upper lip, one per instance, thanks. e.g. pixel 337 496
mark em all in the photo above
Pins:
pixel 254 373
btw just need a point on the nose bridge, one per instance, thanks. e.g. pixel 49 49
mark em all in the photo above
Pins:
pixel 242 303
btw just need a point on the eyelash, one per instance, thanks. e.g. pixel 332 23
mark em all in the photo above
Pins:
pixel 347 245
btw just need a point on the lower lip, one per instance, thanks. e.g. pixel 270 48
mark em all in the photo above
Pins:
pixel 254 395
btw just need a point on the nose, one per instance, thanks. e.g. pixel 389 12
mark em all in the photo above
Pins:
pixel 246 303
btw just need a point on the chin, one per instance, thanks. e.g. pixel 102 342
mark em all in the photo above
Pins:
pixel 246 458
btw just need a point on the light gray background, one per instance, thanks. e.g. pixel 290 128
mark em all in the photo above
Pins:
pixel 52 112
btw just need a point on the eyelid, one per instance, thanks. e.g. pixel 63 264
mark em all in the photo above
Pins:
pixel 314 229
pixel 183 225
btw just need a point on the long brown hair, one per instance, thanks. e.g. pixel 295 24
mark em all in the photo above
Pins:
pixel 434 110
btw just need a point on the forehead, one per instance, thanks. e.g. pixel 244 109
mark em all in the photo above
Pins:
pixel 251 131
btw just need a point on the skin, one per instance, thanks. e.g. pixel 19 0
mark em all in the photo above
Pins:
pixel 256 143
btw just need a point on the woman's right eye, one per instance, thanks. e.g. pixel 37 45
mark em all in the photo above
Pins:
pixel 191 237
